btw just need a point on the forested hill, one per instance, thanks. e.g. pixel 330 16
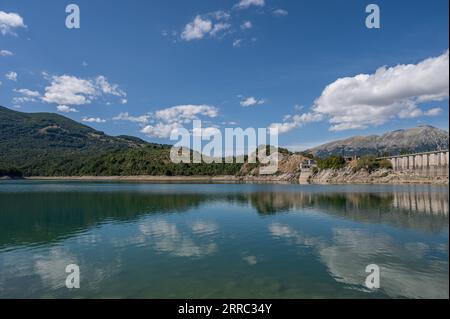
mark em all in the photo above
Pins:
pixel 48 144
pixel 38 131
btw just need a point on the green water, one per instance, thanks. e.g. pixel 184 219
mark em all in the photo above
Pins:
pixel 136 240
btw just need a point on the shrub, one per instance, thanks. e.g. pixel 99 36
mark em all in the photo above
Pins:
pixel 370 164
pixel 386 164
pixel 332 162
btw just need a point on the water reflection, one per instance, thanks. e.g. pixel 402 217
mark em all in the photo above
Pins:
pixel 167 237
pixel 40 217
pixel 224 241
pixel 404 270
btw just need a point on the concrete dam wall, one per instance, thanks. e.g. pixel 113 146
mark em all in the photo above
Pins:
pixel 423 164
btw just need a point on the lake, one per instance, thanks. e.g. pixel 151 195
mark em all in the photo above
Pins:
pixel 139 240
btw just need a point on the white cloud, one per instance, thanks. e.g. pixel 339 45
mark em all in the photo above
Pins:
pixel 221 15
pixel 186 113
pixel 27 96
pixel 219 27
pixel 196 29
pixel 280 12
pixel 175 117
pixel 373 99
pixel 244 4
pixel 433 112
pixel 12 76
pixel 126 117
pixel 28 92
pixel 204 25
pixel 70 90
pixel 23 99
pixel 168 238
pixel 251 101
pixel 66 109
pixel 246 25
pixel 161 130
pixel 107 88
pixel 295 121
pixel 93 120
pixel 6 53
pixel 9 22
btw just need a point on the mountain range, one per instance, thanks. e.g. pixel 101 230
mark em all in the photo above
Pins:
pixel 414 140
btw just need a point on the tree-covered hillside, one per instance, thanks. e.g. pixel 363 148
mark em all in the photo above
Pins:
pixel 47 144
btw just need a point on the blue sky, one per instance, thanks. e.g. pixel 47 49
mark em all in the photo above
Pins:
pixel 142 68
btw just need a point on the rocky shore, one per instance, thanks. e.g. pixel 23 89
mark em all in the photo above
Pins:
pixel 382 176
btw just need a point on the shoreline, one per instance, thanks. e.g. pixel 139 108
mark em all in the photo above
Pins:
pixel 236 179
pixel 138 178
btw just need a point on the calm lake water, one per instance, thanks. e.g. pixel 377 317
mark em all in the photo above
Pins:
pixel 137 240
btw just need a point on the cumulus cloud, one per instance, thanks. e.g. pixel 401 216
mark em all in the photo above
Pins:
pixel 186 113
pixel 28 92
pixel 219 27
pixel 251 101
pixel 290 122
pixel 124 116
pixel 372 99
pixel 161 130
pixel 6 53
pixel 197 29
pixel 244 4
pixel 173 118
pixel 70 90
pixel 9 22
pixel 108 88
pixel 12 76
pixel 211 24
pixel 26 96
pixel 66 109
pixel 93 120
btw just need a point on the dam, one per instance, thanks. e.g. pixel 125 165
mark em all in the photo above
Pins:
pixel 424 164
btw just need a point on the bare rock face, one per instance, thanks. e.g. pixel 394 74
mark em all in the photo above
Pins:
pixel 382 176
pixel 420 139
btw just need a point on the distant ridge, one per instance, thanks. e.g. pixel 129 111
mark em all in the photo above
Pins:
pixel 414 140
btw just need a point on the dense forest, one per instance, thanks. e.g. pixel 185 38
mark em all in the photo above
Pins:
pixel 148 160
pixel 47 144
